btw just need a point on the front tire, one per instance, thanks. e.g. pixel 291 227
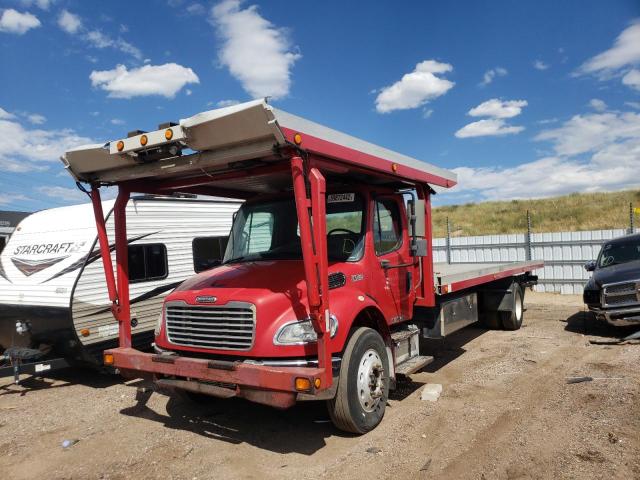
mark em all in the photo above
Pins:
pixel 363 385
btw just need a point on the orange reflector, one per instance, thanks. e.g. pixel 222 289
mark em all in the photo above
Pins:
pixel 297 138
pixel 317 383
pixel 85 332
pixel 120 145
pixel 394 167
pixel 143 140
pixel 303 384
pixel 168 134
pixel 108 358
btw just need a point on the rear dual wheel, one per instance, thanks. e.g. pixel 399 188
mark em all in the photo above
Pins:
pixel 509 320
pixel 363 385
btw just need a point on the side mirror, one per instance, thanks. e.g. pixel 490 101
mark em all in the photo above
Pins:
pixel 590 266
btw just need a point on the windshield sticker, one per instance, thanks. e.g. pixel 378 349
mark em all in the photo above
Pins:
pixel 341 197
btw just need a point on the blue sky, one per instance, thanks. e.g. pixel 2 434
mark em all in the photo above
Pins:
pixel 520 99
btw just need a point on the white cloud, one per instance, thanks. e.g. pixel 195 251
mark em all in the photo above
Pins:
pixel 227 103
pixel 416 88
pixel 63 193
pixel 9 198
pixel 598 105
pixel 498 108
pixel 100 40
pixel 4 115
pixel 13 21
pixel 255 51
pixel 117 121
pixel 593 132
pixel 69 22
pixel 491 74
pixel 36 118
pixel 427 113
pixel 632 79
pixel 165 80
pixel 633 104
pixel 43 4
pixel 24 149
pixel 625 51
pixel 196 9
pixel 593 152
pixel 540 65
pixel 487 127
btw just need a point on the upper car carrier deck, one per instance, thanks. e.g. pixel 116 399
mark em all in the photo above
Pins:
pixel 238 137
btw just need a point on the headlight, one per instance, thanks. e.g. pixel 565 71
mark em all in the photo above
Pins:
pixel 156 331
pixel 301 332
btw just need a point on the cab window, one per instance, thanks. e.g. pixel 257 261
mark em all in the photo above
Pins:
pixel 387 231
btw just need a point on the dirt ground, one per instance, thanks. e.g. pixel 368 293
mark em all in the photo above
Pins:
pixel 506 412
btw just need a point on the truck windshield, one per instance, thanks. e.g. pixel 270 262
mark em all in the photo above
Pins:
pixel 270 231
pixel 617 253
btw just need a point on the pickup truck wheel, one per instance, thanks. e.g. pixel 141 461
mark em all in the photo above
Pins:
pixel 513 320
pixel 363 385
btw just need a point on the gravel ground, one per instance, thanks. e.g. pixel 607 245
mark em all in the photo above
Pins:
pixel 506 412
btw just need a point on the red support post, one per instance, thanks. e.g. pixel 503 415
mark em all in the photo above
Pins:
pixel 314 256
pixel 122 267
pixel 103 240
pixel 427 262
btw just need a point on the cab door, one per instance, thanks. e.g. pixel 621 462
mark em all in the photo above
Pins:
pixel 391 248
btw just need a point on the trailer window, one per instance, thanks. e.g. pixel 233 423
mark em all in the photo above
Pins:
pixel 147 262
pixel 387 234
pixel 3 241
pixel 208 252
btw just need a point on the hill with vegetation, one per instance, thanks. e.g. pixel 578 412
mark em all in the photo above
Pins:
pixel 578 211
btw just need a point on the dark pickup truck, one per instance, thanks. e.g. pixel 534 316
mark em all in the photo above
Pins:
pixel 613 291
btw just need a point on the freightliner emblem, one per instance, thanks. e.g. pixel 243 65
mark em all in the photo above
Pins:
pixel 206 299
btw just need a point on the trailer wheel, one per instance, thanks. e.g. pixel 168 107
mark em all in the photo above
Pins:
pixel 513 320
pixel 363 386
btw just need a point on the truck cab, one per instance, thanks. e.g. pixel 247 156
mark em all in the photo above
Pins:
pixel 613 291
pixel 258 295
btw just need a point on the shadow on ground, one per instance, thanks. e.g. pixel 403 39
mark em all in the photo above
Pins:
pixel 301 429
pixel 586 323
pixel 59 379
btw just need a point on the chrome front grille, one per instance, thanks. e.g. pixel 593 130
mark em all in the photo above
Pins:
pixel 221 327
pixel 621 294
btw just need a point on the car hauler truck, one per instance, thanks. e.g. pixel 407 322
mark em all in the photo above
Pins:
pixel 327 280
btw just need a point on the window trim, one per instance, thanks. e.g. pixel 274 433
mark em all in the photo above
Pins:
pixel 149 279
pixel 373 219
pixel 222 250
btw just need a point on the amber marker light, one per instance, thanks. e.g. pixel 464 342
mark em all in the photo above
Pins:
pixel 143 140
pixel 303 384
pixel 108 359
pixel 168 134
pixel 297 138
pixel 394 167
pixel 317 382
pixel 85 332
pixel 120 145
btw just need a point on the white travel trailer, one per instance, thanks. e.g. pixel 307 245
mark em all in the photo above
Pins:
pixel 53 295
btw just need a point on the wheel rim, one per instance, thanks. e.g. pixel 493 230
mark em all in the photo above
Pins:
pixel 518 307
pixel 370 380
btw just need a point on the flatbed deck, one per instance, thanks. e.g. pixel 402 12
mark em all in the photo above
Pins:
pixel 458 276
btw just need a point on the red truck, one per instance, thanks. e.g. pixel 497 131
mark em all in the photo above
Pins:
pixel 328 280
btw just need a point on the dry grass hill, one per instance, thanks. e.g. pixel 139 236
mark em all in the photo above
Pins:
pixel 578 211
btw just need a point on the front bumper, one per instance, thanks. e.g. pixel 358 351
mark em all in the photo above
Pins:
pixel 269 385
pixel 619 317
